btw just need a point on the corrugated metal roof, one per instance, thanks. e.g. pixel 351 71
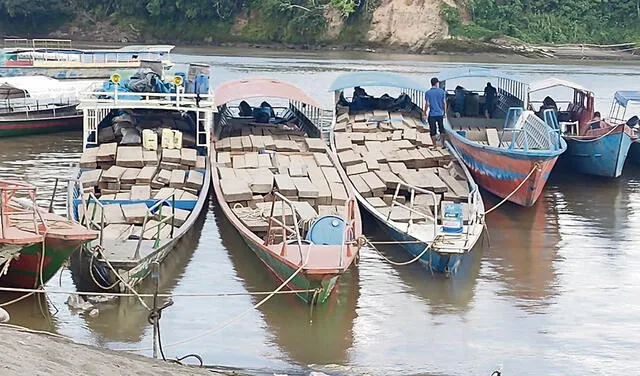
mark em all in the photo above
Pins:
pixel 376 78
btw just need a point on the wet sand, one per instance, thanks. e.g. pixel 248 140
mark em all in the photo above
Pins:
pixel 29 353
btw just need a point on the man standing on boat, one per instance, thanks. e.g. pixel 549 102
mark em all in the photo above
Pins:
pixel 435 106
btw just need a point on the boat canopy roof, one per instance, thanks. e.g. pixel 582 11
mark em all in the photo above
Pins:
pixel 261 87
pixel 466 72
pixel 624 97
pixel 555 82
pixel 376 78
pixel 28 86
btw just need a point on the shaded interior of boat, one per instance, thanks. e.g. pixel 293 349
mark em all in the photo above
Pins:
pixel 499 119
pixel 268 155
pixel 141 180
pixel 387 152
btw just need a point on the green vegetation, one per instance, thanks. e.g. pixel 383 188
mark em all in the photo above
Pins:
pixel 550 21
pixel 289 21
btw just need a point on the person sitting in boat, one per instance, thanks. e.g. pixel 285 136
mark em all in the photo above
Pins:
pixel 490 97
pixel 547 104
pixel 595 123
pixel 458 104
pixel 245 109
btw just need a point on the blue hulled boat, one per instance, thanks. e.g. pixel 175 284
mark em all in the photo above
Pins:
pixel 594 147
pixel 623 102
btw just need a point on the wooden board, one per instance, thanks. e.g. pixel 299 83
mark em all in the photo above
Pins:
pixel 134 213
pixel 195 180
pixel 146 175
pixel 375 184
pixel 171 156
pixel 238 162
pixel 264 161
pixel 315 144
pixel 389 179
pixel 201 162
pixel 90 178
pixel 305 187
pixel 492 137
pixel 281 160
pixel 177 178
pixel 113 214
pixel 262 182
pixel 107 152
pixel 349 157
pixel 130 156
pixel 251 160
pixel 140 192
pixel 397 167
pixel 150 157
pixel 246 143
pixel 331 174
pixel 130 176
pixel 322 160
pixel 257 142
pixel 243 175
pixel 113 174
pixel 285 185
pixel 360 185
pixel 89 158
pixel 188 157
pixel 342 142
pixel 457 191
pixel 376 202
pixel 224 159
pixel 357 169
pixel 164 176
pixel 338 194
pixel 235 190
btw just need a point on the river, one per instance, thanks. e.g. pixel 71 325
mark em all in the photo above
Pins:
pixel 553 290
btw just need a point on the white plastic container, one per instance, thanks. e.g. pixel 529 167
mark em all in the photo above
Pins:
pixel 167 139
pixel 149 139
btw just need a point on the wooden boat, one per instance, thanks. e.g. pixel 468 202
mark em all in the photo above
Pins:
pixel 511 146
pixel 34 244
pixel 33 105
pixel 304 218
pixel 623 102
pixel 386 152
pixel 57 58
pixel 143 194
pixel 594 148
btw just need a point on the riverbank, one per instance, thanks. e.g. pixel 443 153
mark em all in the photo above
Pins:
pixel 29 353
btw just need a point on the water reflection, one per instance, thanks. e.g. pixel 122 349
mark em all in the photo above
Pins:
pixel 523 252
pixel 308 335
pixel 442 293
pixel 125 319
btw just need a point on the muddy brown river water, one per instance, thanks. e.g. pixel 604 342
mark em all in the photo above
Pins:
pixel 556 292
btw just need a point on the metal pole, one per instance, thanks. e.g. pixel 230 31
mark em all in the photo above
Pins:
pixel 55 188
pixel 155 276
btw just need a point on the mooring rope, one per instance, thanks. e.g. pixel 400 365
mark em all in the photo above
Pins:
pixel 535 168
pixel 418 257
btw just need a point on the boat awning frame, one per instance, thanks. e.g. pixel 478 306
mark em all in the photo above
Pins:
pixel 623 97
pixel 552 82
pixel 376 79
pixel 261 88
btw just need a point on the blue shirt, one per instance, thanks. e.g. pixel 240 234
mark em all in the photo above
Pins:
pixel 435 96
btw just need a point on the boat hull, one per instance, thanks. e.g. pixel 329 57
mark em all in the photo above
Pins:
pixel 324 284
pixel 24 272
pixel 634 152
pixel 64 72
pixel 601 157
pixel 501 172
pixel 87 269
pixel 25 127
pixel 444 263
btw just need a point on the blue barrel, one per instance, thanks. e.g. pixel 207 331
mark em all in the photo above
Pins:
pixel 327 230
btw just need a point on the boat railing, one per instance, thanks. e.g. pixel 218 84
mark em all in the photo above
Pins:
pixel 286 229
pixel 412 192
pixel 171 202
pixel 8 191
pixel 524 138
pixel 179 100
pixel 349 229
pixel 89 222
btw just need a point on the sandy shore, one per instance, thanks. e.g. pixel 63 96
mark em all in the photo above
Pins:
pixel 25 353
